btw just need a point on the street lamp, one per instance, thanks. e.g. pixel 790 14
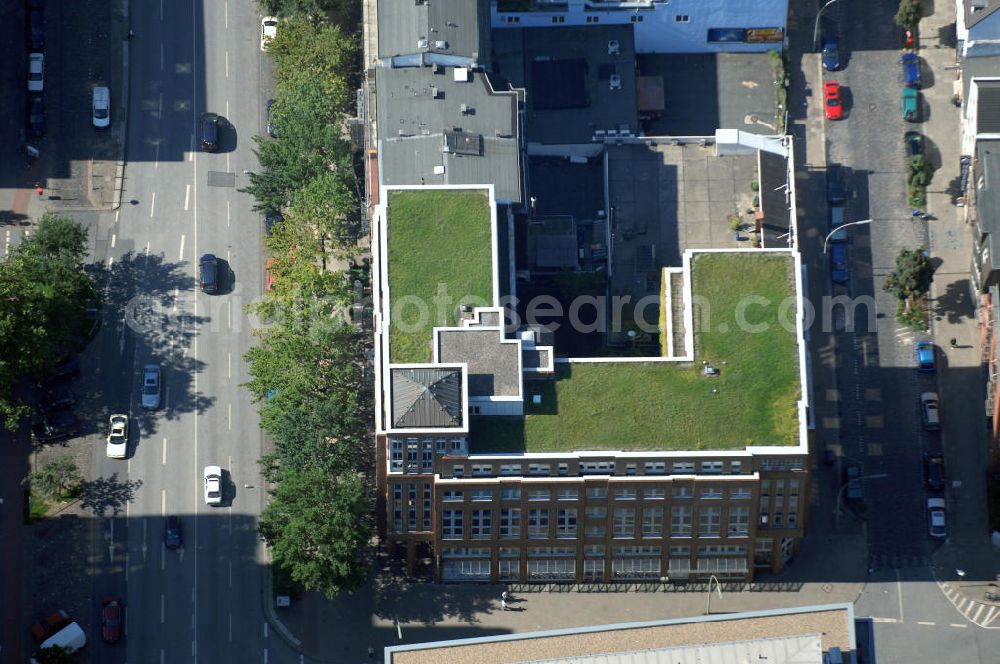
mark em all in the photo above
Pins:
pixel 826 240
pixel 840 492
pixel 718 589
pixel 816 29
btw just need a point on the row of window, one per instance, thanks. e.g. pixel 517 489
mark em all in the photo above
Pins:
pixel 595 551
pixel 535 523
pixel 564 569
pixel 599 493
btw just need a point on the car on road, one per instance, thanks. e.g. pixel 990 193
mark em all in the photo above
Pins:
pixel 210 125
pixel 838 263
pixel 911 70
pixel 914 143
pixel 269 127
pixel 924 351
pixel 269 271
pixel 268 31
pixel 854 491
pixel 831 52
pixel 36 30
pixel 151 386
pixel 101 106
pixel 172 534
pixel 937 524
pixel 65 370
pixel 117 447
pixel 36 72
pixel 208 274
pixel 930 412
pixel 56 399
pixel 934 471
pixel 111 618
pixel 835 194
pixel 55 426
pixel 213 485
pixel 911 105
pixel 833 105
pixel 36 115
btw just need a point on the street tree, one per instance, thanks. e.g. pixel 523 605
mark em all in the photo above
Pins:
pixel 912 276
pixel 59 478
pixel 909 13
pixel 318 528
pixel 54 655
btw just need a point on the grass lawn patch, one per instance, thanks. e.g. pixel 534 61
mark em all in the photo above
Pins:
pixel 440 257
pixel 38 507
pixel 742 299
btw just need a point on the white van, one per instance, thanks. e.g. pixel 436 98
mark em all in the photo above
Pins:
pixel 71 637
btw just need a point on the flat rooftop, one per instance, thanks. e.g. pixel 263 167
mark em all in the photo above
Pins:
pixel 440 250
pixel 782 636
pixel 672 405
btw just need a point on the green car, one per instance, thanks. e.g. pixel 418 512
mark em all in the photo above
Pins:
pixel 911 109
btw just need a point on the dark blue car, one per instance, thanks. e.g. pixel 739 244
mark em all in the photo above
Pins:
pixel 838 263
pixel 831 52
pixel 911 70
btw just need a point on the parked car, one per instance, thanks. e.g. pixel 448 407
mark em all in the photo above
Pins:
pixel 117 447
pixel 208 274
pixel 854 491
pixel 911 70
pixel 268 31
pixel 172 534
pixel 55 426
pixel 36 115
pixel 924 351
pixel 838 218
pixel 833 105
pixel 101 106
pixel 835 194
pixel 36 30
pixel 111 618
pixel 831 52
pixel 151 386
pixel 934 471
pixel 838 263
pixel 914 143
pixel 213 485
pixel 210 132
pixel 269 127
pixel 930 412
pixel 55 399
pixel 911 106
pixel 36 72
pixel 936 522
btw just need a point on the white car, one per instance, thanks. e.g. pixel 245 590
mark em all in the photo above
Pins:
pixel 213 485
pixel 151 386
pixel 268 30
pixel 101 97
pixel 118 437
pixel 936 523
pixel 36 72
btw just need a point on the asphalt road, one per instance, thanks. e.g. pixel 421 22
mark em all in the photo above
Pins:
pixel 203 601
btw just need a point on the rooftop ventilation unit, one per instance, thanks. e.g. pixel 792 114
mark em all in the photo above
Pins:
pixel 466 109
pixel 435 93
pixel 441 44
pixel 462 74
pixel 422 42
pixel 439 170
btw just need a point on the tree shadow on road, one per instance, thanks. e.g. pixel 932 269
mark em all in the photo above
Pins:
pixel 955 303
pixel 107 493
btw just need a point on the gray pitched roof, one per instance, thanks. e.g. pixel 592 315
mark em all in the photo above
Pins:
pixel 426 398
pixel 973 15
pixel 988 111
pixel 449 27
pixel 436 130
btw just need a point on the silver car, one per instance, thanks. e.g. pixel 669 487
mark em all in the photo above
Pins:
pixel 151 386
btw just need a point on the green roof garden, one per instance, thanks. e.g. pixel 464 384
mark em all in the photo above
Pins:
pixel 440 247
pixel 744 326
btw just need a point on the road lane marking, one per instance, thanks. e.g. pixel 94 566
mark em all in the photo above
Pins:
pixel 229 363
pixel 899 596
pixel 113 238
pixel 265 655
pixel 265 630
pixel 111 261
pixel 161 655
pixel 163 609
pixel 885 620
pixel 152 205
pixel 147 249
pixel 989 616
pixel 227 64
pixel 191 151
pixel 163 556
pixel 161 17
pixel 193 590
pixel 923 622
pixel 163 502
pixel 117 212
pixel 230 406
pixel 180 255
pixel 230 627
pixel 187 197
pixel 156 148
pixel 126 564
pixel 976 617
pixel 228 215
pixel 229 313
pixel 164 451
pixel 177 297
pixel 963 626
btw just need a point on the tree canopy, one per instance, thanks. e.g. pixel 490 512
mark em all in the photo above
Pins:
pixel 912 276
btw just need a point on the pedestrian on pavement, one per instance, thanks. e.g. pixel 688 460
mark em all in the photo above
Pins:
pixel 131 33
pixel 38 188
pixel 916 212
pixel 503 604
pixel 504 596
pixel 954 342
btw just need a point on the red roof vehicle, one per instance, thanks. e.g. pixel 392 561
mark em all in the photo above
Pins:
pixel 832 105
pixel 111 618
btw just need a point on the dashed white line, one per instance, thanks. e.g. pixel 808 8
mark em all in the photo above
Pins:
pixel 156 148
pixel 227 64
pixel 976 617
pixel 265 630
pixel 229 363
pixel 163 502
pixel 230 627
pixel 885 620
pixel 147 249
pixel 152 205
pixel 228 216
pixel 113 238
pixel 180 254
pixel 963 626
pixel 164 451
pixel 230 406
pixel 163 609
pixel 161 655
pixel 187 197
pixel 924 622
pixel 989 616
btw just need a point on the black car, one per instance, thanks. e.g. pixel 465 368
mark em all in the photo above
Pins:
pixel 172 536
pixel 55 426
pixel 210 132
pixel 934 471
pixel 914 143
pixel 269 128
pixel 54 400
pixel 36 31
pixel 208 270
pixel 835 194
pixel 36 115
pixel 65 371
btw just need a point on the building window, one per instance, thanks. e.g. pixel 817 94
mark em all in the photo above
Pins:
pixel 558 19
pixel 458 471
pixel 597 492
pixel 593 569
pixel 482 524
pixel 555 570
pixel 411 512
pixel 510 493
pixel 566 524
pixel 740 493
pixel 793 487
pixel 683 467
pixel 654 494
pixel 711 467
pixel 538 524
pixel 510 469
pixel 739 521
pixel 682 18
pixel 482 494
pixel 479 470
pixel 594 550
pixel 625 493
pixel 681 521
pixel 624 522
pixel 680 550
pixel 456 445
pixel 453 496
pixel 735 467
pixel 396 453
pixel 451 524
pixel 597 512
pixel 564 469
pixel 709 521
pixel 711 493
pixel 683 491
pixel 442 445
pixel 509 570
pixel 636 568
pixel 597 467
pixel 591 530
pixel 656 468
pixel 793 511
pixel 593 19
pixel 636 18
pixel 427 507
pixel 652 522
pixel 722 550
pixel 539 469
pixel 427 457
pixel 765 488
pixel 510 522
pixel 630 469
pixel 397 508
pixel 568 494
pixel 539 494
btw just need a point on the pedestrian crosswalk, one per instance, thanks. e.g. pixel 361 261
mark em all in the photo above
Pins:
pixel 981 614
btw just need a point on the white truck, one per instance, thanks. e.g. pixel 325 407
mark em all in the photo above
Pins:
pixel 70 637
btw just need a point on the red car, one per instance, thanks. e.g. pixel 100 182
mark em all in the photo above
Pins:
pixel 269 269
pixel 43 629
pixel 832 105
pixel 111 618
